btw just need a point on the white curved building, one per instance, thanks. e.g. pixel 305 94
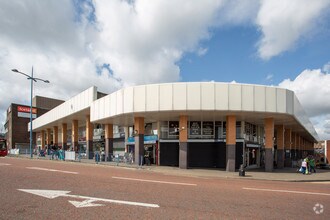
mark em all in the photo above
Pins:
pixel 202 124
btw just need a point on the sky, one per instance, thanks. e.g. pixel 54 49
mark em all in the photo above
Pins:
pixel 118 43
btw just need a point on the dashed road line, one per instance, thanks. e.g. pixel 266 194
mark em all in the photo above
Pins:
pixel 288 191
pixel 51 170
pixel 155 181
pixel 4 164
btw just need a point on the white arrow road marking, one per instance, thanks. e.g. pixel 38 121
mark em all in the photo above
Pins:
pixel 86 203
pixel 4 164
pixel 155 181
pixel 51 170
pixel 288 191
pixel 51 194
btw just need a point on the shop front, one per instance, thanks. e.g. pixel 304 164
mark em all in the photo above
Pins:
pixel 252 155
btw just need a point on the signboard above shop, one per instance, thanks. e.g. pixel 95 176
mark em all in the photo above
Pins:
pixel 24 112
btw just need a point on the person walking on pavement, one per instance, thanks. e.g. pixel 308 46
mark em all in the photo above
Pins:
pixel 303 167
pixel 312 165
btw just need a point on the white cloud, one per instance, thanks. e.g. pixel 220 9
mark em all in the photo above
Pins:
pixel 326 67
pixel 283 23
pixel 202 51
pixel 269 77
pixel 313 91
pixel 68 43
pixel 143 41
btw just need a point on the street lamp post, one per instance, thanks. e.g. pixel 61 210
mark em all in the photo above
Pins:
pixel 31 93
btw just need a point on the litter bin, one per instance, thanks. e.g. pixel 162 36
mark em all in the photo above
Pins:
pixel 241 170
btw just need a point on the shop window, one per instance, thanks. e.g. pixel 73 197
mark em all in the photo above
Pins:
pixel 173 129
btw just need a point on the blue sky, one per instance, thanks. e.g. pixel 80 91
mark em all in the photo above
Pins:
pixel 118 43
pixel 232 56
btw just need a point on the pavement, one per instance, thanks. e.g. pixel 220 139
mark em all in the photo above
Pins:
pixel 286 174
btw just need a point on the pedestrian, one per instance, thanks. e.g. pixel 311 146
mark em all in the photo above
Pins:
pixel 303 166
pixel 312 165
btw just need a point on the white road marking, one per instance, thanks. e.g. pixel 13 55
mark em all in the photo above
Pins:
pixel 321 182
pixel 4 164
pixel 288 191
pixel 51 170
pixel 88 201
pixel 155 181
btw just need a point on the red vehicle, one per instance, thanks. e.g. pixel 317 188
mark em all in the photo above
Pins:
pixel 3 147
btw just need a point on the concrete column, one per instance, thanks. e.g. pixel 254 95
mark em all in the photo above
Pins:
pixel 109 141
pixel 55 135
pixel 43 139
pixel 327 151
pixel 230 143
pixel 293 145
pixel 183 139
pixel 74 133
pixel 280 146
pixel 48 137
pixel 139 140
pixel 269 144
pixel 64 137
pixel 299 147
pixel 89 138
pixel 288 146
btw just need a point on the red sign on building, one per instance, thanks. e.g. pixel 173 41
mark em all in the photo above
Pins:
pixel 26 109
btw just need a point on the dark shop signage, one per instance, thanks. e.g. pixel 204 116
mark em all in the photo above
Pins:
pixel 195 128
pixel 208 128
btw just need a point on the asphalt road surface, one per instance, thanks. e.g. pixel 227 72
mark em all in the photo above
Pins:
pixel 42 189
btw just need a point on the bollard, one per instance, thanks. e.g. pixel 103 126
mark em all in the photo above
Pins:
pixel 241 170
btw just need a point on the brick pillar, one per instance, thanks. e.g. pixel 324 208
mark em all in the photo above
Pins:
pixel 230 143
pixel 280 146
pixel 327 152
pixel 293 146
pixel 48 137
pixel 74 133
pixel 108 141
pixel 288 146
pixel 64 137
pixel 55 135
pixel 183 139
pixel 139 140
pixel 269 144
pixel 42 139
pixel 89 138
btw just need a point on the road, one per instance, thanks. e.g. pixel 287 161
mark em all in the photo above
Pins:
pixel 42 189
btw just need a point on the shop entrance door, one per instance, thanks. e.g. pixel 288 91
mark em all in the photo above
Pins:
pixel 150 154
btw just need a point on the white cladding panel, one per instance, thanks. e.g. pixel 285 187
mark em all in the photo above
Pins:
pixel 165 97
pixel 120 102
pixel 152 97
pixel 221 96
pixel 289 102
pixel 208 98
pixel 281 100
pixel 101 103
pixel 113 101
pixel 179 96
pixel 270 99
pixel 107 105
pixel 194 96
pixel 259 98
pixel 235 97
pixel 139 98
pixel 128 97
pixel 75 104
pixel 247 97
